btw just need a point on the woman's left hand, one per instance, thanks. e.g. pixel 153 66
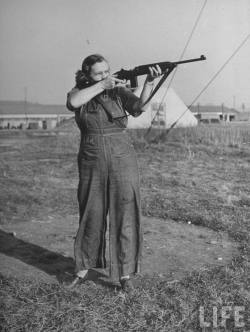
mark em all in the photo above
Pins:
pixel 154 72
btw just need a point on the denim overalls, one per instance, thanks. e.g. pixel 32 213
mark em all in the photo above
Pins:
pixel 108 185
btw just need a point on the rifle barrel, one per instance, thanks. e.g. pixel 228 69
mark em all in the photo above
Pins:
pixel 202 57
pixel 144 69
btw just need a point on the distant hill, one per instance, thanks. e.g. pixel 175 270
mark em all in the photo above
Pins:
pixel 20 107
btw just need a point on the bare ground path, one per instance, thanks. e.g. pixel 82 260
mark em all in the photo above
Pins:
pixel 43 249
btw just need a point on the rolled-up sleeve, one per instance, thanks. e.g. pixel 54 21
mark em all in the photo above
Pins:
pixel 68 104
pixel 129 99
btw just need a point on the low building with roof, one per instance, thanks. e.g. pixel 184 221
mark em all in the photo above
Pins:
pixel 23 115
pixel 244 116
pixel 214 113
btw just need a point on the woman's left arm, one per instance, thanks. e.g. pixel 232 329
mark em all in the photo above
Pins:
pixel 135 105
pixel 154 72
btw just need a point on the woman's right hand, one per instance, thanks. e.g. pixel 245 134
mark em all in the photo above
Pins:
pixel 110 82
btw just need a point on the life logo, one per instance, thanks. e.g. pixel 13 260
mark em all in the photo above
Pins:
pixel 218 317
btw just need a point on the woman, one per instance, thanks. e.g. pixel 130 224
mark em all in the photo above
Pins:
pixel 108 171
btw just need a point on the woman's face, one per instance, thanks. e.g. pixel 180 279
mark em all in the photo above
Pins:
pixel 99 71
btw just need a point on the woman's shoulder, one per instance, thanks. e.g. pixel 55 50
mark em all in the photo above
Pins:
pixel 126 93
pixel 121 89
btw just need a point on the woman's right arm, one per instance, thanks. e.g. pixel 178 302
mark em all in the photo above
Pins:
pixel 77 98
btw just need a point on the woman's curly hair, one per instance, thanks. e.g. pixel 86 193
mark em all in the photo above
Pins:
pixel 82 76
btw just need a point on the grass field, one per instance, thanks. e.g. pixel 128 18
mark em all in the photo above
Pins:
pixel 196 175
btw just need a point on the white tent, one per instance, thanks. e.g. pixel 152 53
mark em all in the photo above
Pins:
pixel 171 109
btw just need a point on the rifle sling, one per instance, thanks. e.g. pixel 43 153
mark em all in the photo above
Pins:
pixel 162 80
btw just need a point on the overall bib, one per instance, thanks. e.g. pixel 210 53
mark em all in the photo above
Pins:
pixel 108 186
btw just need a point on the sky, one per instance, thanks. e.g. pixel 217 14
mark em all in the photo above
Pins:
pixel 43 43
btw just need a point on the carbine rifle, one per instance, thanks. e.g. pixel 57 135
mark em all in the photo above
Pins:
pixel 167 66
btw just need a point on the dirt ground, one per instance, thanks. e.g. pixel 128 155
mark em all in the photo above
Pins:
pixel 43 249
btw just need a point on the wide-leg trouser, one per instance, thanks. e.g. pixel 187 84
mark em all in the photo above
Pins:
pixel 108 185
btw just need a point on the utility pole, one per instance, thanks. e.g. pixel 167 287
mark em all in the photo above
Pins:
pixel 222 111
pixel 25 104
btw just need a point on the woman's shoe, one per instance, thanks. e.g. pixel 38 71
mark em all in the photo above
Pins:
pixel 76 282
pixel 127 285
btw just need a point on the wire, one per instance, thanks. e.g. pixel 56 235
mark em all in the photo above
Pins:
pixel 181 57
pixel 188 41
pixel 210 81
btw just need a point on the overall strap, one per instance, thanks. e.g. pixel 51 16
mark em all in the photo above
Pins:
pixel 112 107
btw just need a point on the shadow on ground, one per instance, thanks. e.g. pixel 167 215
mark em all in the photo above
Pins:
pixel 50 262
